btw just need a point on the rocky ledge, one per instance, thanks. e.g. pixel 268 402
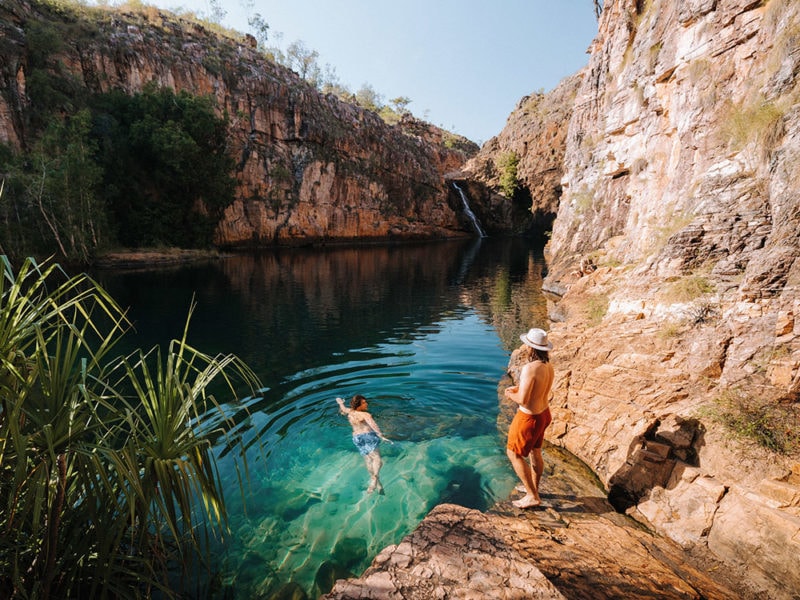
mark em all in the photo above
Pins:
pixel 574 546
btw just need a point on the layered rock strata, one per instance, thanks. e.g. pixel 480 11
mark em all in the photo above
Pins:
pixel 681 186
pixel 310 167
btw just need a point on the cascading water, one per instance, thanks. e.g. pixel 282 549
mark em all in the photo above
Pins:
pixel 468 211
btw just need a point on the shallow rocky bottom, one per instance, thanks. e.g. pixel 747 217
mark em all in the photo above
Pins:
pixel 574 546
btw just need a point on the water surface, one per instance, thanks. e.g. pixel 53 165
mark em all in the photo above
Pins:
pixel 424 331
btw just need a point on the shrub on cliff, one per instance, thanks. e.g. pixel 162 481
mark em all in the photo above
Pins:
pixel 507 165
pixel 148 169
pixel 166 174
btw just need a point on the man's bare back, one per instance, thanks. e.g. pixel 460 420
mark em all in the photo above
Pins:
pixel 361 421
pixel 535 383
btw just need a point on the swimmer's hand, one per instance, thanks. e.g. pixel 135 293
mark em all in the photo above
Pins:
pixel 385 439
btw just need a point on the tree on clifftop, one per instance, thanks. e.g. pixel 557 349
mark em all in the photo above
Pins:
pixel 153 147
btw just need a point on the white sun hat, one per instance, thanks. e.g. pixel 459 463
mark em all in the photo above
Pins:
pixel 537 338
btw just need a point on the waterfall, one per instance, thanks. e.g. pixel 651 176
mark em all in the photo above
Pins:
pixel 468 211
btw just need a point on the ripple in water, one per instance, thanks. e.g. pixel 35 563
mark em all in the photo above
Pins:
pixel 308 517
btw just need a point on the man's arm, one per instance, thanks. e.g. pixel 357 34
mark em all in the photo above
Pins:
pixel 342 408
pixel 371 422
pixel 520 393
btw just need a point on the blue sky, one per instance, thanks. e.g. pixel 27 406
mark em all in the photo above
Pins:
pixel 463 63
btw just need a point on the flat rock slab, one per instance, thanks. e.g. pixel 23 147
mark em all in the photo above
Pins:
pixel 574 546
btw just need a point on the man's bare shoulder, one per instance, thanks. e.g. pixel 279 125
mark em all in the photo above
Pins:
pixel 537 366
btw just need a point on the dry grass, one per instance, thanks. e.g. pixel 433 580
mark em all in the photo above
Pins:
pixel 756 121
pixel 687 289
pixel 596 308
pixel 768 424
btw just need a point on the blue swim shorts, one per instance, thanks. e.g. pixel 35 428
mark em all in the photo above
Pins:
pixel 366 442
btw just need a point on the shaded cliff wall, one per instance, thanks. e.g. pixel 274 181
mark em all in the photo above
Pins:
pixel 309 166
pixel 535 133
pixel 681 185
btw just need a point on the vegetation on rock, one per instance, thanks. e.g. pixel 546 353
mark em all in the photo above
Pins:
pixel 120 170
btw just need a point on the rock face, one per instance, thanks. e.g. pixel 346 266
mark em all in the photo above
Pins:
pixel 310 167
pixel 535 134
pixel 674 265
pixel 681 185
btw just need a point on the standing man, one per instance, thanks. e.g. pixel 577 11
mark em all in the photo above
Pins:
pixel 366 437
pixel 526 433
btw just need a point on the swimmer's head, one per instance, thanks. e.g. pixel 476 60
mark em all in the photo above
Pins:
pixel 358 402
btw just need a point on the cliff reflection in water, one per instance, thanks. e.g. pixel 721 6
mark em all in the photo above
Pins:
pixel 424 330
pixel 291 309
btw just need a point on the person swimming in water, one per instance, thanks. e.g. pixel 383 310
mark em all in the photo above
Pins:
pixel 367 437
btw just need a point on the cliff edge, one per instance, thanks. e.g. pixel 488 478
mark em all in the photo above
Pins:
pixel 309 166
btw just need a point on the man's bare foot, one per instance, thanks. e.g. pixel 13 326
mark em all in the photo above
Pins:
pixel 371 487
pixel 527 501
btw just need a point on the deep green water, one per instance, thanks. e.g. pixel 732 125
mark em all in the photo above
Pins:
pixel 424 331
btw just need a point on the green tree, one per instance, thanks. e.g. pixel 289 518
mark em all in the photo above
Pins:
pixel 400 104
pixel 107 476
pixel 507 164
pixel 260 29
pixel 303 61
pixel 52 204
pixel 218 13
pixel 368 98
pixel 153 146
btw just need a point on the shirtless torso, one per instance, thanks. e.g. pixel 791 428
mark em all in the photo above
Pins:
pixel 362 422
pixel 535 383
pixel 366 437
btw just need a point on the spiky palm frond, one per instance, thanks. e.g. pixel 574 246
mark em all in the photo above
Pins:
pixel 106 467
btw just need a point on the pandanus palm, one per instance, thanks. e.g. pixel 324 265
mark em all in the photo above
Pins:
pixel 106 466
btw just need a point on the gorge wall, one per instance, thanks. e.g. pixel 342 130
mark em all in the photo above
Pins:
pixel 674 265
pixel 669 170
pixel 309 166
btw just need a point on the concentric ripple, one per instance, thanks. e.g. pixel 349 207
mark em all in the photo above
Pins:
pixel 434 394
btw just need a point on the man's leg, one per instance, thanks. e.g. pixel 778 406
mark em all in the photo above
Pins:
pixel 537 464
pixel 526 475
pixel 374 466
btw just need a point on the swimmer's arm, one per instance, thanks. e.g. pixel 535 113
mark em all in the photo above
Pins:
pixel 342 408
pixel 371 422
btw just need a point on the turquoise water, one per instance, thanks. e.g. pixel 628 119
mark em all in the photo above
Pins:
pixel 423 331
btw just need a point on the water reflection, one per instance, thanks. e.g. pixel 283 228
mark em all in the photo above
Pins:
pixel 287 310
pixel 423 330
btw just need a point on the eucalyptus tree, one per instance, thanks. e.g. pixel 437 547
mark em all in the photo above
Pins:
pixel 108 480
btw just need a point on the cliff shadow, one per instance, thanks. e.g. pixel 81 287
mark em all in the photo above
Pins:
pixel 652 457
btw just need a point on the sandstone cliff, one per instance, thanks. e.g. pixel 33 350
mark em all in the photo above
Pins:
pixel 535 134
pixel 673 271
pixel 310 167
pixel 681 184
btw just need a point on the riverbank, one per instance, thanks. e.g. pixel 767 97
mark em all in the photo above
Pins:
pixel 152 257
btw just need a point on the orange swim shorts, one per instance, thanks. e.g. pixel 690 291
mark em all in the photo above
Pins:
pixel 527 431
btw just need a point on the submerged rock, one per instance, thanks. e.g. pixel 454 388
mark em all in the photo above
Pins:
pixel 289 591
pixel 350 551
pixel 326 576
